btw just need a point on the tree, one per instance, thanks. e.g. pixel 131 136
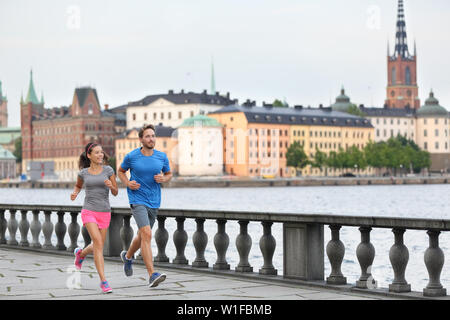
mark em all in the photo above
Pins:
pixel 319 160
pixel 296 156
pixel 18 149
pixel 354 110
pixel 280 104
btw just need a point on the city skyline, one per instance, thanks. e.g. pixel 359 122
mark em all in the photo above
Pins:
pixel 302 53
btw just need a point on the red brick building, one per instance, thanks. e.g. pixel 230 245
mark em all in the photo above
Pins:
pixel 3 109
pixel 60 134
pixel 402 90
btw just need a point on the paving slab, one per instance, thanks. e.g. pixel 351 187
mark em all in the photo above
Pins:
pixel 28 275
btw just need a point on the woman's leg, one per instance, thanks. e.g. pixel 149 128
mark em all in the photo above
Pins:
pixel 98 237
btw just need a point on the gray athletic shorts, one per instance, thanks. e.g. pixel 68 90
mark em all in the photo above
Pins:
pixel 144 215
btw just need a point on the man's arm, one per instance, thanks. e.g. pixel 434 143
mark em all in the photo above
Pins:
pixel 133 185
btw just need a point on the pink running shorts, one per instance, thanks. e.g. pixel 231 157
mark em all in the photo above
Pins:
pixel 102 219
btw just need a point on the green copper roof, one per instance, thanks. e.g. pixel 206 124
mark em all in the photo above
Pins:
pixel 200 120
pixel 342 102
pixel 31 96
pixel 432 107
pixel 6 154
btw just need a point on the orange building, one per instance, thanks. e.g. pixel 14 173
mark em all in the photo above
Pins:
pixel 256 139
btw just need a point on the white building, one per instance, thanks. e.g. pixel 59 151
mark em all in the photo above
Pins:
pixel 200 147
pixel 171 109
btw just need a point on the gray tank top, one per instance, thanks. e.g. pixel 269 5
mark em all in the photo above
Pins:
pixel 97 194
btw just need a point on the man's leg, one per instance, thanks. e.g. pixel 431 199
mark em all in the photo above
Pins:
pixel 145 233
pixel 135 245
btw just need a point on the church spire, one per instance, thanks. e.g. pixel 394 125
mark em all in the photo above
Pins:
pixel 401 43
pixel 31 96
pixel 213 80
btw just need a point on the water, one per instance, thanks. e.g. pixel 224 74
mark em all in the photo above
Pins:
pixel 412 201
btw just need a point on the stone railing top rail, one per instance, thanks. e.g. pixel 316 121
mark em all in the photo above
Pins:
pixel 329 219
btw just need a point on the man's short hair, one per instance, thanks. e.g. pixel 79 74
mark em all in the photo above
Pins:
pixel 145 127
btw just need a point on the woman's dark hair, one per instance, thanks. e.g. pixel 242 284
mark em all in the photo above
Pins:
pixel 84 161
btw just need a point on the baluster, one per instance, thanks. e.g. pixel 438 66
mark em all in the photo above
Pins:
pixel 24 227
pixel 335 252
pixel 180 238
pixel 47 230
pixel 74 231
pixel 3 227
pixel 161 238
pixel 126 233
pixel 267 245
pixel 60 230
pixel 200 240
pixel 35 228
pixel 86 236
pixel 221 242
pixel 243 246
pixel 399 256
pixel 434 261
pixel 365 252
pixel 12 227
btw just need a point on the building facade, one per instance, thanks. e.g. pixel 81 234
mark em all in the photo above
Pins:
pixel 7 164
pixel 256 139
pixel 60 134
pixel 3 109
pixel 171 109
pixel 200 147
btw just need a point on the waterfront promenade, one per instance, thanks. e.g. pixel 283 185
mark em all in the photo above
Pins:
pixel 28 275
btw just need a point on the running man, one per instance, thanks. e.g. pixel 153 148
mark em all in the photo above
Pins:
pixel 98 179
pixel 148 168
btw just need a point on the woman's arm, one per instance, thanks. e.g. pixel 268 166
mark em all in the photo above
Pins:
pixel 77 189
pixel 112 185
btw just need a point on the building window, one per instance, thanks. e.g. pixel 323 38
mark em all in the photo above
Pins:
pixel 436 133
pixel 162 116
pixel 154 116
pixel 134 116
pixel 192 113
pixel 436 121
pixel 394 76
pixel 408 76
pixel 425 146
pixel 425 132
pixel 179 115
pixel 170 115
pixel 436 145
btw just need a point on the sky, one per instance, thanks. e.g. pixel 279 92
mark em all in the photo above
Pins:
pixel 302 52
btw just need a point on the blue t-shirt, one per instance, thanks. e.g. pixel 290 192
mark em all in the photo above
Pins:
pixel 142 169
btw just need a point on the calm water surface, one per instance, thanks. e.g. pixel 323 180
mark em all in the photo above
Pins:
pixel 412 201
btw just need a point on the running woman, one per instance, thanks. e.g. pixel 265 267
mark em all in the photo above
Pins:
pixel 98 179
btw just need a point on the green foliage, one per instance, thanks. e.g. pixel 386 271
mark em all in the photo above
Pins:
pixel 296 156
pixel 353 109
pixel 280 104
pixel 396 153
pixel 18 149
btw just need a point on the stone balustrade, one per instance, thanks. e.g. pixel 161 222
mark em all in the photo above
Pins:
pixel 303 244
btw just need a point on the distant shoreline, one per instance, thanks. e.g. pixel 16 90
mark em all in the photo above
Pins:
pixel 254 183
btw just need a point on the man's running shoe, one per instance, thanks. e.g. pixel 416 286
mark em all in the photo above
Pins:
pixel 156 279
pixel 78 259
pixel 105 287
pixel 127 264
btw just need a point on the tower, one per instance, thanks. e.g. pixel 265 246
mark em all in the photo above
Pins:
pixel 402 90
pixel 3 109
pixel 29 108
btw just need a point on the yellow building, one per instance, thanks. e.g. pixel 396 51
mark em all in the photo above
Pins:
pixel 256 139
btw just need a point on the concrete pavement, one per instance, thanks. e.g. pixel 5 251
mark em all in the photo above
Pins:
pixel 27 275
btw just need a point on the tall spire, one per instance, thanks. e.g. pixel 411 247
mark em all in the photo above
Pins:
pixel 31 96
pixel 213 81
pixel 401 44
